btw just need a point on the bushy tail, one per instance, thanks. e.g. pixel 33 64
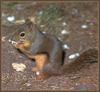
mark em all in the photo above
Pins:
pixel 86 58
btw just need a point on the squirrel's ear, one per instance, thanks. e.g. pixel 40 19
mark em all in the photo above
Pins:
pixel 29 24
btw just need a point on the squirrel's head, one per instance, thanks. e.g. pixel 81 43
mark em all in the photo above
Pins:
pixel 24 35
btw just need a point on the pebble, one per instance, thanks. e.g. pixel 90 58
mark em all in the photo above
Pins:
pixel 64 31
pixel 28 84
pixel 74 55
pixel 19 66
pixel 75 77
pixel 84 26
pixel 11 18
pixel 3 39
pixel 64 24
pixel 65 46
pixel 9 40
pixel 44 32
pixel 54 87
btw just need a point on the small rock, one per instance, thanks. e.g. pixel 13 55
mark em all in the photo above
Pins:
pixel 9 40
pixel 44 32
pixel 84 26
pixel 27 84
pixel 11 18
pixel 75 77
pixel 64 32
pixel 19 67
pixel 54 87
pixel 65 46
pixel 64 24
pixel 3 39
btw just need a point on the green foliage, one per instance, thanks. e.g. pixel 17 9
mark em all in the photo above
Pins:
pixel 50 14
pixel 10 5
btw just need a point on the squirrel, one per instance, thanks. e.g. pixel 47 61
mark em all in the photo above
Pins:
pixel 45 49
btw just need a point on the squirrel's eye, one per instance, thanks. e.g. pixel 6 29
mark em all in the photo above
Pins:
pixel 22 34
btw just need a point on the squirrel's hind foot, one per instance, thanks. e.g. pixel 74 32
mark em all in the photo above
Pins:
pixel 42 76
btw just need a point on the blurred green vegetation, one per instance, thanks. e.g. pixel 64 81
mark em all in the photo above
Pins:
pixel 10 5
pixel 50 15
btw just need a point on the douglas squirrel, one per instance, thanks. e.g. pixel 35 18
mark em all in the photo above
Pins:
pixel 45 49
